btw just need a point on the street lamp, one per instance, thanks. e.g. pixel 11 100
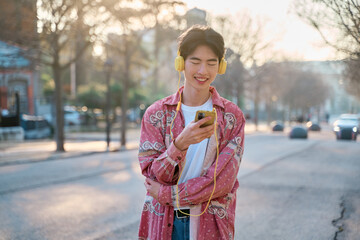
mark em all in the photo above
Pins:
pixel 108 68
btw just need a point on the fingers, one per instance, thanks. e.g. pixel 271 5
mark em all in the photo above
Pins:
pixel 147 186
pixel 202 121
pixel 209 128
pixel 194 134
pixel 206 134
pixel 207 131
pixel 203 135
pixel 149 181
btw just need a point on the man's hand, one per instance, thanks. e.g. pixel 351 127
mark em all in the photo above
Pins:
pixel 152 187
pixel 192 134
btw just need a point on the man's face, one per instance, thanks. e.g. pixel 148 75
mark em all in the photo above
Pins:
pixel 201 67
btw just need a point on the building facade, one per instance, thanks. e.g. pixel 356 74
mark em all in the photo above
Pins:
pixel 18 44
pixel 16 75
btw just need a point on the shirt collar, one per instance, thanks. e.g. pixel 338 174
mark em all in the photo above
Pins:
pixel 174 99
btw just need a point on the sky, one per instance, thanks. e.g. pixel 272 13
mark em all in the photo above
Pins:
pixel 294 38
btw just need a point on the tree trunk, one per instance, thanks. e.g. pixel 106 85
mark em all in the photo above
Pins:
pixel 124 100
pixel 256 107
pixel 59 126
pixel 283 116
pixel 269 112
pixel 240 94
pixel 289 114
pixel 156 56
pixel 108 107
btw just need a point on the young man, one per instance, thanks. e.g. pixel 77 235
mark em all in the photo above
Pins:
pixel 173 144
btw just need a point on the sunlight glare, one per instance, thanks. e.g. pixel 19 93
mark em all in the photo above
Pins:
pixel 290 35
pixel 98 50
pixel 122 176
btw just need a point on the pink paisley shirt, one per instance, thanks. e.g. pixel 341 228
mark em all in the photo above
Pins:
pixel 160 160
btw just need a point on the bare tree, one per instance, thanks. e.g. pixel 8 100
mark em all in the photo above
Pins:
pixel 273 87
pixel 160 14
pixel 18 23
pixel 338 23
pixel 257 83
pixel 305 90
pixel 58 27
pixel 231 84
pixel 125 50
pixel 247 41
pixel 286 84
pixel 151 14
pixel 352 76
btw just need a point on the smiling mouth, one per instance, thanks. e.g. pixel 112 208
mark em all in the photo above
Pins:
pixel 201 79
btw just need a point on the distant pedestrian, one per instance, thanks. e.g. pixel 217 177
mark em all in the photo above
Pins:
pixel 327 117
pixel 181 160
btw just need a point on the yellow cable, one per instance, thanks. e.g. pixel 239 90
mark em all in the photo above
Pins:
pixel 217 157
pixel 212 193
pixel 177 107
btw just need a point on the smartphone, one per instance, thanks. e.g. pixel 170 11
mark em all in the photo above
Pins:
pixel 203 114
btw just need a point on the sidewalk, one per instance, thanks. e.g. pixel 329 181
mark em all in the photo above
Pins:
pixel 76 144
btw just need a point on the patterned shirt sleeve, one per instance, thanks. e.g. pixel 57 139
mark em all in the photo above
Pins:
pixel 157 161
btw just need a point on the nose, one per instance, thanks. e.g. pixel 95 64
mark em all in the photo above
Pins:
pixel 203 68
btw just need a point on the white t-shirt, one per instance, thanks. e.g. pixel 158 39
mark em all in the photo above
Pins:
pixel 196 152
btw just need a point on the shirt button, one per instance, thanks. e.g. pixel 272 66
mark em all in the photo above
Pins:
pixel 179 158
pixel 169 225
pixel 167 203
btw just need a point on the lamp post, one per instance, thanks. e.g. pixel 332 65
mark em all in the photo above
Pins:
pixel 108 67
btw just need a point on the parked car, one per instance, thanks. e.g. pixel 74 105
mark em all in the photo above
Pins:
pixel 71 116
pixel 298 132
pixel 313 126
pixel 347 127
pixel 35 127
pixel 277 126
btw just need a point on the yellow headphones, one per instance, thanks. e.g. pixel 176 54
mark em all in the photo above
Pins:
pixel 180 64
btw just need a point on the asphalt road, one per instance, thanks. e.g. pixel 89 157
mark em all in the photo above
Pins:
pixel 289 189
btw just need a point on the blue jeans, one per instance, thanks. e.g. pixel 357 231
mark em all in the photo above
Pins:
pixel 181 229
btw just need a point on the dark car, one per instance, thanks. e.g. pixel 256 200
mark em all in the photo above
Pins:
pixel 347 127
pixel 312 126
pixel 298 132
pixel 277 126
pixel 35 127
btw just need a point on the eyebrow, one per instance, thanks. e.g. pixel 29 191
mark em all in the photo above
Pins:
pixel 209 60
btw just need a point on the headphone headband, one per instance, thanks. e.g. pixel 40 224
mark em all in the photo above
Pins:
pixel 180 64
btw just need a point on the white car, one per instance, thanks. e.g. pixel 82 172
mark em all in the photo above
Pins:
pixel 71 117
pixel 347 126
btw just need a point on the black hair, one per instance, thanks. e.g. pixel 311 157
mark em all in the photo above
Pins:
pixel 201 35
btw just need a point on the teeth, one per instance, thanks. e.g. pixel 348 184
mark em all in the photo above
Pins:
pixel 200 79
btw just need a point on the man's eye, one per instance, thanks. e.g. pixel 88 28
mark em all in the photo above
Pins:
pixel 195 63
pixel 212 65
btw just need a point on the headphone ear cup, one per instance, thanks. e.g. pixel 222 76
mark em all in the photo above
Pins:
pixel 222 66
pixel 179 63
